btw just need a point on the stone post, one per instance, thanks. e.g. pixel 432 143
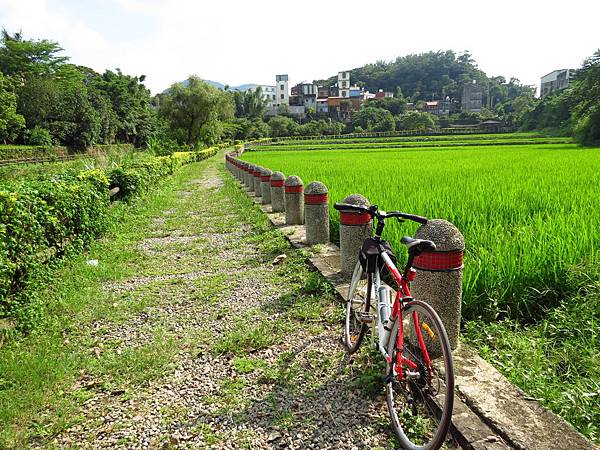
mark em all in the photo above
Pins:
pixel 294 201
pixel 277 194
pixel 440 273
pixel 316 213
pixel 249 177
pixel 257 181
pixel 239 166
pixel 265 186
pixel 236 163
pixel 355 227
pixel 244 174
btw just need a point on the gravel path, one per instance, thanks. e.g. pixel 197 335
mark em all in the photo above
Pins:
pixel 259 364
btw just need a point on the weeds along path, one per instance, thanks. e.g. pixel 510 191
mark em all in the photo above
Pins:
pixel 219 347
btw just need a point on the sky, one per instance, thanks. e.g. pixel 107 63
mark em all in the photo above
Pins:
pixel 236 42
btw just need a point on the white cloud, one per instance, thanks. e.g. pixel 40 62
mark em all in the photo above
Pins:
pixel 241 41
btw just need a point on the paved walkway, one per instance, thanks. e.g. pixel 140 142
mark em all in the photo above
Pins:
pixel 260 362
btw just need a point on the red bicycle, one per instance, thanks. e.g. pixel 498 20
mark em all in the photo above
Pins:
pixel 419 376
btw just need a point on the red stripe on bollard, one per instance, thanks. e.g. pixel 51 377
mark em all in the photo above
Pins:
pixel 265 178
pixel 277 183
pixel 315 199
pixel 439 261
pixel 354 218
pixel 294 189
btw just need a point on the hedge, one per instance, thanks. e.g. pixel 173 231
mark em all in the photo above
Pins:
pixel 8 152
pixel 42 220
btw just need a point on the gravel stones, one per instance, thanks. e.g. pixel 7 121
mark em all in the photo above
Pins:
pixel 299 392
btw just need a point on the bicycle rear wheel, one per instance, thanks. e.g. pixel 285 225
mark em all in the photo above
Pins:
pixel 357 308
pixel 420 402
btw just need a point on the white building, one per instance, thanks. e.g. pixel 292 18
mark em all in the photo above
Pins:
pixel 556 80
pixel 344 84
pixel 283 90
pixel 269 94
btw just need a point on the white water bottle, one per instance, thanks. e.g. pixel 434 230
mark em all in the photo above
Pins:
pixel 385 309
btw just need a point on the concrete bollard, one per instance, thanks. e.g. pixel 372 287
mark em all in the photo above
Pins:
pixel 316 213
pixel 294 200
pixel 243 172
pixel 440 274
pixel 257 181
pixel 354 229
pixel 249 183
pixel 236 168
pixel 265 186
pixel 277 192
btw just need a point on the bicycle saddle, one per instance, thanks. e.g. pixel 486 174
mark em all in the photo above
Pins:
pixel 418 246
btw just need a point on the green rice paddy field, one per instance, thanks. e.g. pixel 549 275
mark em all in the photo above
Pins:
pixel 529 208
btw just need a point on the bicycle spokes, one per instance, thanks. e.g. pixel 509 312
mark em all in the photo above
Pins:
pixel 420 414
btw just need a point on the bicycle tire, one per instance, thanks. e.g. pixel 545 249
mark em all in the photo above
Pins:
pixel 357 305
pixel 422 405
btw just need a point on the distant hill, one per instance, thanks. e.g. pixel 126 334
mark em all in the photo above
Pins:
pixel 241 87
pixel 432 76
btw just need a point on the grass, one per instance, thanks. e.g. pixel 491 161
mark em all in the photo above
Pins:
pixel 424 138
pixel 555 360
pixel 250 335
pixel 353 145
pixel 517 206
pixel 38 371
pixel 46 377
pixel 99 159
pixel 531 219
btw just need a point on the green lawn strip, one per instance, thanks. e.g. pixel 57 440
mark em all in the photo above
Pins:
pixel 38 372
pixel 416 139
pixel 318 145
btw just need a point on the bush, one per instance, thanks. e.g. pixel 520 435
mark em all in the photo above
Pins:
pixel 283 126
pixel 415 121
pixel 42 220
pixel 29 151
pixel 39 136
pixel 370 118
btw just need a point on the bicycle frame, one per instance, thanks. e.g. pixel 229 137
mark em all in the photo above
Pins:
pixel 402 295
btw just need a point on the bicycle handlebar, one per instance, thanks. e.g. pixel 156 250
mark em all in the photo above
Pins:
pixel 372 211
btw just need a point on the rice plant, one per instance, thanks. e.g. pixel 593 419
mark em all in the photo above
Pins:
pixel 529 213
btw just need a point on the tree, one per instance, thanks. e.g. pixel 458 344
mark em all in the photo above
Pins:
pixel 283 126
pixel 374 119
pixel 11 123
pixel 242 128
pixel 250 103
pixel 586 113
pixel 62 108
pixel 130 101
pixel 195 105
pixel 414 120
pixel 394 105
pixel 27 58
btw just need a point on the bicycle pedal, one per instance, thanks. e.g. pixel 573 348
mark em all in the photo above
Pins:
pixel 367 318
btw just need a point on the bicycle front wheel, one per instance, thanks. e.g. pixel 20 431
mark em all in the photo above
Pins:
pixel 357 308
pixel 420 401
